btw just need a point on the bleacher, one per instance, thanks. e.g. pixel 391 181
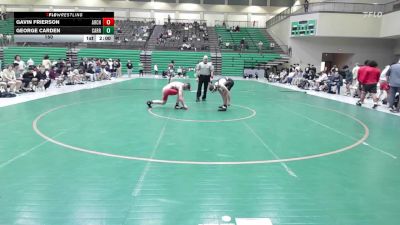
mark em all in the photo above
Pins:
pixel 132 32
pixel 123 55
pixel 194 34
pixel 252 37
pixel 233 63
pixel 181 58
pixel 6 29
pixel 6 26
pixel 36 53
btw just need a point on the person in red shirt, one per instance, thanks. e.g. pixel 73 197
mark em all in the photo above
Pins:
pixel 368 76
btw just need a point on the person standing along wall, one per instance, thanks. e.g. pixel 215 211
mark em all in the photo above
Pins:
pixel 393 75
pixel 306 4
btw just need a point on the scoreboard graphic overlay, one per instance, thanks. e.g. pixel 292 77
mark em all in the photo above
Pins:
pixel 304 28
pixel 64 26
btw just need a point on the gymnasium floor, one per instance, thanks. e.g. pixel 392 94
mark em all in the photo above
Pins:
pixel 98 156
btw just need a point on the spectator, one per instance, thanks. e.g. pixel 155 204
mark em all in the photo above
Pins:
pixel 140 65
pixel 335 80
pixel 369 78
pixel 155 69
pixel 242 43
pixel 42 77
pixel 320 82
pixel 20 66
pixel 306 4
pixel 90 73
pixel 179 71
pixel 383 85
pixel 27 78
pixel 52 73
pixel 394 81
pixel 9 78
pixel 237 29
pixel 83 65
pixel 118 69
pixel 260 47
pixel 46 62
pixel 30 62
pixel 129 67
pixel 348 76
pixel 356 84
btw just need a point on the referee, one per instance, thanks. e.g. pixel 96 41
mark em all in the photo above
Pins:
pixel 205 73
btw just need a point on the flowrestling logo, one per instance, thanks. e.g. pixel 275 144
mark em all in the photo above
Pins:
pixel 373 14
pixel 227 220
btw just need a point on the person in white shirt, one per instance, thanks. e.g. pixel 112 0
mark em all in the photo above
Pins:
pixel 383 85
pixel 205 73
pixel 21 65
pixel 3 85
pixel 260 46
pixel 30 62
pixel 9 78
pixel 320 82
pixel 355 71
pixel 46 62
pixel 173 88
pixel 155 69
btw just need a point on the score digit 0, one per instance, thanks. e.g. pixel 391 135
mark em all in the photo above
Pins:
pixel 108 21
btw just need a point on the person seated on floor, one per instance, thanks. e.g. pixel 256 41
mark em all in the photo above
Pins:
pixel 335 80
pixel 9 78
pixel 90 73
pixel 43 79
pixel 27 78
pixel 282 75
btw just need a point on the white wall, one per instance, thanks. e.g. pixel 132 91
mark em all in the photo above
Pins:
pixel 343 24
pixel 347 25
pixel 17 9
pixel 390 25
pixel 212 17
pixel 237 17
pixel 121 13
pixel 189 16
pixel 143 6
pixel 355 1
pixel 260 19
pixel 41 9
pixel 160 16
pixel 141 14
pixel 281 31
pixel 309 49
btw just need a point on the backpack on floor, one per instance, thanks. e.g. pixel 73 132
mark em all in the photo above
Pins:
pixel 7 95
